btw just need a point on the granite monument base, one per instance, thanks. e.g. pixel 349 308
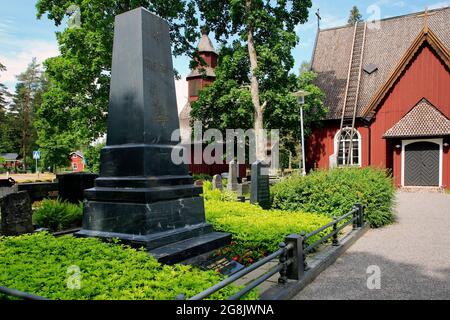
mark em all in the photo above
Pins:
pixel 172 231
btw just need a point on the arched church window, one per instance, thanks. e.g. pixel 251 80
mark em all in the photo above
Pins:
pixel 349 152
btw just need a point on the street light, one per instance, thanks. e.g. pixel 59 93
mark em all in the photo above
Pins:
pixel 300 95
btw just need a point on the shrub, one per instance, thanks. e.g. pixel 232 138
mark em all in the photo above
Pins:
pixel 58 215
pixel 336 191
pixel 39 264
pixel 202 176
pixel 217 195
pixel 257 232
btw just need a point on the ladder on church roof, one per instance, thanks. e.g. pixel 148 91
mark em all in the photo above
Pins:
pixel 349 110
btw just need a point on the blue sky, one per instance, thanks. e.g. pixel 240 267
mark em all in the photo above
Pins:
pixel 23 37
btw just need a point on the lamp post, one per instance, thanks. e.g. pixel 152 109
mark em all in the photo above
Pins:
pixel 300 95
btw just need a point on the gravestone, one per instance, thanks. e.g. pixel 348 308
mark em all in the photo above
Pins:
pixel 243 188
pixel 232 176
pixel 15 214
pixel 260 192
pixel 71 186
pixel 6 189
pixel 217 182
pixel 142 197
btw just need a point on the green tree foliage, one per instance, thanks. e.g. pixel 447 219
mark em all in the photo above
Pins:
pixel 3 93
pixel 92 156
pixel 27 98
pixel 229 102
pixel 355 16
pixel 73 111
pixel 262 35
pixel 4 144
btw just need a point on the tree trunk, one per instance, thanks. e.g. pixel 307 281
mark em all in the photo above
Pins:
pixel 254 89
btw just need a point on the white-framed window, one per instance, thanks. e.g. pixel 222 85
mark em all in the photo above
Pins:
pixel 74 166
pixel 345 156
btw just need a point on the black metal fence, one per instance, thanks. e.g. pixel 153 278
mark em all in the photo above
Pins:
pixel 291 256
pixel 19 294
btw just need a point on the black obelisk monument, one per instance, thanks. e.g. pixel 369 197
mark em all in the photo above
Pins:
pixel 141 196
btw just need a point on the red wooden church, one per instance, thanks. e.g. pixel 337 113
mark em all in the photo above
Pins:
pixel 388 92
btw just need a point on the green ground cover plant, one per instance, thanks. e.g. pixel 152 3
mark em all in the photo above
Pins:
pixel 257 232
pixel 49 267
pixel 334 192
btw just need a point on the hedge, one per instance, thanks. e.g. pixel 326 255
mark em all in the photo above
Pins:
pixel 335 192
pixel 58 215
pixel 39 264
pixel 257 232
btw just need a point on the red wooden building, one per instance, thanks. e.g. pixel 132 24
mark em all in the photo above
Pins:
pixel 77 161
pixel 197 80
pixel 393 81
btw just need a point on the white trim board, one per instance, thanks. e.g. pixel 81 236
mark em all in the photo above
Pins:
pixel 439 142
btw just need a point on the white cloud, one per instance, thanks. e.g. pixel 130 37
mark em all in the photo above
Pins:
pixel 439 5
pixel 20 55
pixel 331 21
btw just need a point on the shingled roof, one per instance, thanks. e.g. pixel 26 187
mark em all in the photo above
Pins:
pixel 384 48
pixel 424 120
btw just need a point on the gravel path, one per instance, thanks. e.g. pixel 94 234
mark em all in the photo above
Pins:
pixel 413 256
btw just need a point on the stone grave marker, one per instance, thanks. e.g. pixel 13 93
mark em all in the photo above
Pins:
pixel 232 176
pixel 217 182
pixel 260 192
pixel 15 214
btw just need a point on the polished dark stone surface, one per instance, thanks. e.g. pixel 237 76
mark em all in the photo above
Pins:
pixel 141 197
pixel 260 190
pixel 71 186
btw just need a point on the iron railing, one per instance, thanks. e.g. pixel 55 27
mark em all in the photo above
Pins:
pixel 291 256
pixel 20 294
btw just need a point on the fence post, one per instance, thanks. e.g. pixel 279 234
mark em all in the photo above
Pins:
pixel 296 269
pixel 303 253
pixel 335 235
pixel 360 215
pixel 283 258
pixel 355 216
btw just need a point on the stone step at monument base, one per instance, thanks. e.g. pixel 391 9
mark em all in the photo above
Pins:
pixel 186 249
pixel 150 241
pixel 143 182
pixel 142 195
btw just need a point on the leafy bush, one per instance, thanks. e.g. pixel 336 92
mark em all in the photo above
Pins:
pixel 202 176
pixel 39 264
pixel 335 192
pixel 58 215
pixel 217 195
pixel 257 232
